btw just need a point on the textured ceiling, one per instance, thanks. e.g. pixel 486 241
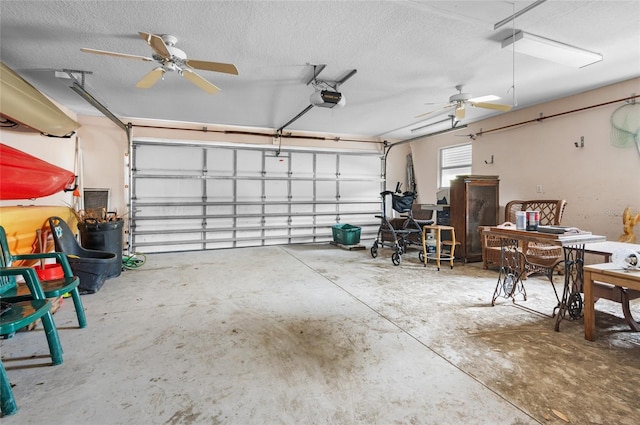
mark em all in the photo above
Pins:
pixel 409 55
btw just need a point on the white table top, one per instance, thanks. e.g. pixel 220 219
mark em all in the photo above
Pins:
pixel 608 247
pixel 534 236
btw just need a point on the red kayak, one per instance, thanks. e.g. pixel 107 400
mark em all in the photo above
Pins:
pixel 23 176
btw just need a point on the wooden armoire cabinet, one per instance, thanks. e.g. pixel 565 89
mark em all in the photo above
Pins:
pixel 474 202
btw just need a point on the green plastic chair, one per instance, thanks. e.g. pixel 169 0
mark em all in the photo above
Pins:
pixel 19 315
pixel 12 291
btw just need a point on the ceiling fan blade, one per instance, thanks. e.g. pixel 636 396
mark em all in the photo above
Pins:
pixel 460 111
pixel 119 55
pixel 488 98
pixel 157 44
pixel 496 106
pixel 227 68
pixel 151 78
pixel 199 81
pixel 434 111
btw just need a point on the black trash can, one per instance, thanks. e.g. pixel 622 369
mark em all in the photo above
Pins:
pixel 103 236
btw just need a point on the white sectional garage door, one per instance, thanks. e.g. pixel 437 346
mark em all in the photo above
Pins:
pixel 188 197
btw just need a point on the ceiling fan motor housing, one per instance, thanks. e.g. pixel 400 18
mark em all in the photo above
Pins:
pixel 174 63
pixel 460 97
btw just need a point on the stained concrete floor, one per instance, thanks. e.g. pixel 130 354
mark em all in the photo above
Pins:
pixel 315 334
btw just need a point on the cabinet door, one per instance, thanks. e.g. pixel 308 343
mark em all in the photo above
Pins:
pixel 482 210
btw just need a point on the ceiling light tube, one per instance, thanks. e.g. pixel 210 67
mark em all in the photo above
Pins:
pixel 517 14
pixel 551 50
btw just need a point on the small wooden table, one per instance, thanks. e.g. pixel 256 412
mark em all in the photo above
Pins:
pixel 438 234
pixel 595 278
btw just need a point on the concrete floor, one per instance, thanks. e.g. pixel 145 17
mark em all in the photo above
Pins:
pixel 315 334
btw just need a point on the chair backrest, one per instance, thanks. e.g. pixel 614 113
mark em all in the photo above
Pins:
pixel 551 210
pixel 64 239
pixel 6 260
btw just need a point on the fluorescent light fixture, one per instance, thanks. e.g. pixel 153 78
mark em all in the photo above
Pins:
pixel 551 50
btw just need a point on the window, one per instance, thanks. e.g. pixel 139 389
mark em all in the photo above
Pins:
pixel 454 160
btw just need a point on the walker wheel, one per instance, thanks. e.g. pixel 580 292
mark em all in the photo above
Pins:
pixel 421 256
pixel 396 259
pixel 374 250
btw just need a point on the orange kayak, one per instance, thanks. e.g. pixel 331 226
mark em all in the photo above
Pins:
pixel 27 227
pixel 26 177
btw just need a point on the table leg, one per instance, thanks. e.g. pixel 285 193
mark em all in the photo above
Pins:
pixel 589 308
pixel 571 302
pixel 510 277
pixel 424 246
pixel 438 247
pixel 452 251
pixel 628 318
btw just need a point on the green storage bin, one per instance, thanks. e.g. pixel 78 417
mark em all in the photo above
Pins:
pixel 346 234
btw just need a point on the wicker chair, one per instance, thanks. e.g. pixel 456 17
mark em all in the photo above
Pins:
pixel 551 212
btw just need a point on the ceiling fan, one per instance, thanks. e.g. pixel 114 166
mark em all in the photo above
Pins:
pixel 460 100
pixel 170 59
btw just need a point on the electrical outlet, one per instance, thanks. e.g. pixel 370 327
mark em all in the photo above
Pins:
pixel 539 188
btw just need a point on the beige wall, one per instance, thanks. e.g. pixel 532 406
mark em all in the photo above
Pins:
pixel 598 181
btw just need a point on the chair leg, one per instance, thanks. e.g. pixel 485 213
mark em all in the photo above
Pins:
pixel 77 302
pixel 55 348
pixel 8 404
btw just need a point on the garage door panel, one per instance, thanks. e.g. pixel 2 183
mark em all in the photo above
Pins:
pixel 220 190
pixel 249 190
pixel 302 190
pixel 249 163
pixel 166 212
pixel 326 190
pixel 359 166
pixel 187 197
pixel 302 165
pixel 174 188
pixel 220 161
pixel 220 223
pixel 276 190
pixel 224 209
pixel 276 166
pixel 163 159
pixel 282 209
pixel 326 165
pixel 358 190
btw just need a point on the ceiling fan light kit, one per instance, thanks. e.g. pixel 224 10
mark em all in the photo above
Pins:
pixel 551 50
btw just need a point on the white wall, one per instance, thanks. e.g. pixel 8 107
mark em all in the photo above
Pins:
pixel 598 181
